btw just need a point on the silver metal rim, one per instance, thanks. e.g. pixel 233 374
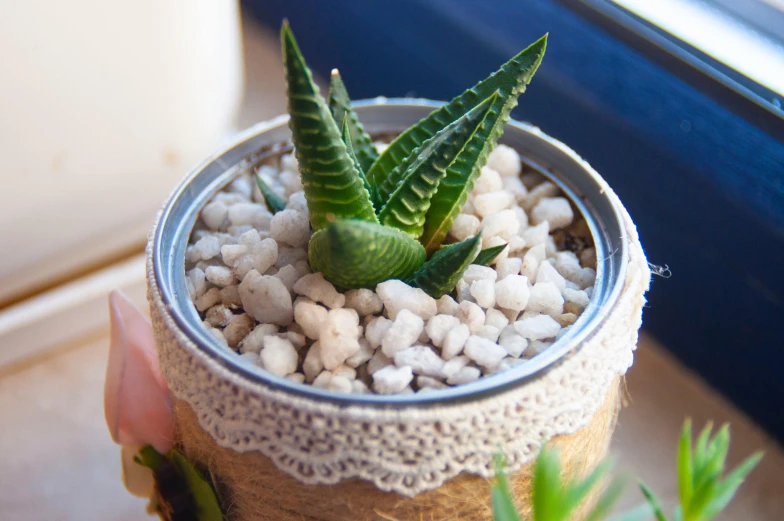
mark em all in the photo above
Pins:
pixel 574 176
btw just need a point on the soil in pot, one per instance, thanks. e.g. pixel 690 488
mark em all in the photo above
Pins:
pixel 249 278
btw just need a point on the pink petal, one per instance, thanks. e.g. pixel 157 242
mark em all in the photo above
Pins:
pixel 137 402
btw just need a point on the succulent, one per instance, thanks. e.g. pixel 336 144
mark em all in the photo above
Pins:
pixel 379 216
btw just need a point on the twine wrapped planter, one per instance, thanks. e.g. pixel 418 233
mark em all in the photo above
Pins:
pixel 280 450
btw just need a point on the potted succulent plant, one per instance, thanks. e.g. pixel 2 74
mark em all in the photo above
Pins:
pixel 350 320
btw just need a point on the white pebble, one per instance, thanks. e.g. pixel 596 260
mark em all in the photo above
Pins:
pixel 471 315
pixel 514 343
pixel 566 319
pixel 536 235
pixel 476 272
pixel 489 332
pixel 493 202
pixel 464 376
pixel 290 227
pixel 215 215
pixel 318 289
pixel 254 341
pixel 219 275
pixel 452 366
pixel 322 380
pixel 249 214
pixel 266 299
pixel 539 192
pixel 547 273
pixel 219 316
pixel 230 253
pixel 536 347
pixel 422 360
pixel 398 295
pixel 278 356
pixel 505 160
pixel 242 186
pixel 492 242
pixel 454 341
pixel 338 337
pixel 198 283
pixel 446 305
pixel 363 301
pixel 463 290
pixel 545 298
pixel 488 181
pixel 239 328
pixel 359 387
pixel 537 327
pixel 503 224
pixel 555 210
pixel 298 202
pixel 584 277
pixel 496 319
pixel 345 371
pixel 392 379
pixel 531 261
pixel 464 226
pixel 508 266
pixel 296 377
pixel 288 276
pixel 575 300
pixel 428 382
pixel 260 256
pixel 438 327
pixel 516 187
pixel 512 292
pixel 312 364
pixel 483 290
pixel 405 330
pixel 376 329
pixel 291 256
pixel 249 358
pixel 364 354
pixel 207 247
pixel 483 351
pixel 378 361
pixel 310 316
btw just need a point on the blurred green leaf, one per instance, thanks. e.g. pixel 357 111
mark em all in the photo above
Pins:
pixel 340 105
pixel 274 202
pixel 503 504
pixel 488 255
pixel 653 501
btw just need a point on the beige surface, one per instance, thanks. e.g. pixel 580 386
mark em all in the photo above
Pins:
pixel 58 462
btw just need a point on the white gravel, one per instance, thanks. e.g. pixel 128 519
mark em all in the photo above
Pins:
pixel 248 275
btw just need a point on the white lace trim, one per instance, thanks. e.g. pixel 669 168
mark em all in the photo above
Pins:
pixel 406 450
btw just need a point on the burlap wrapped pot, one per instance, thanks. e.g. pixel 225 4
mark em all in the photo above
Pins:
pixel 278 450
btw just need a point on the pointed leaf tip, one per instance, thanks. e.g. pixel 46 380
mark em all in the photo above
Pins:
pixel 441 273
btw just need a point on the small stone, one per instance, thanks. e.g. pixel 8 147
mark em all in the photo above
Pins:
pixel 488 181
pixel 230 253
pixel 588 258
pixel 218 334
pixel 398 295
pixel 514 343
pixel 254 341
pixel 575 300
pixel 584 277
pixel 463 290
pixel 483 290
pixel 536 235
pixel 545 298
pixel 567 264
pixel 290 227
pixel 508 266
pixel 345 371
pixel 338 337
pixel 207 247
pixel 531 261
pixel 452 366
pixel 297 201
pixel 364 354
pixel 322 380
pixel 505 160
pixel 438 327
pixel 446 305
pixel 555 210
pixel 266 299
pixel 310 316
pixel 318 289
pixel 496 319
pixel 198 281
pixel 250 358
pixel 278 356
pixel 378 361
pixel 539 192
pixel 230 296
pixel 291 256
pixel 537 327
pixel 471 315
pixel 219 275
pixel 260 256
pixel 363 301
pixel 298 339
pixel 454 341
pixel 516 187
pixel 392 379
pixel 288 276
pixel 492 242
pixel 464 376
pixel 215 215
pixel 536 347
pixel 424 382
pixel 421 359
pixel 312 365
pixel 296 377
pixel 219 316
pixel 376 329
pixel 249 214
pixel 566 319
pixel 484 352
pixel 239 327
pixel 504 224
pixel 547 273
pixel 464 226
pixel 476 272
pixel 493 202
pixel 489 332
pixel 359 387
pixel 512 292
pixel 405 330
pixel 303 268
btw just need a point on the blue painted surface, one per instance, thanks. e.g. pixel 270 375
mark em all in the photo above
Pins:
pixel 705 186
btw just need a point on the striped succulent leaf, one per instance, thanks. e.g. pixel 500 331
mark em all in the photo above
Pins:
pixel 360 254
pixel 441 273
pixel 488 255
pixel 346 136
pixel 510 80
pixel 410 202
pixel 333 187
pixel 340 105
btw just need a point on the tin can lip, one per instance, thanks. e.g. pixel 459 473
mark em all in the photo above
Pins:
pixel 581 184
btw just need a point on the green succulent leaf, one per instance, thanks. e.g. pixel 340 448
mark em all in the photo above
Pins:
pixel 547 487
pixel 727 488
pixel 576 491
pixel 654 502
pixel 273 200
pixel 488 255
pixel 441 273
pixel 685 467
pixel 608 500
pixel 206 501
pixel 510 80
pixel 360 254
pixel 409 202
pixel 503 504
pixel 340 106
pixel 150 458
pixel 333 187
pixel 350 148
